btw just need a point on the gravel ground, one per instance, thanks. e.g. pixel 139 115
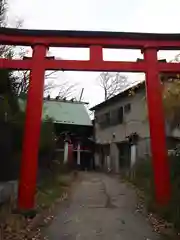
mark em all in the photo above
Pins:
pixel 101 207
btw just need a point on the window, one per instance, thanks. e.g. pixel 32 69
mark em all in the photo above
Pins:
pixel 120 115
pixel 105 120
pixel 101 120
pixel 127 108
pixel 114 117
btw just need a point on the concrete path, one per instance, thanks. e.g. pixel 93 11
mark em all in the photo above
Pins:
pixel 103 208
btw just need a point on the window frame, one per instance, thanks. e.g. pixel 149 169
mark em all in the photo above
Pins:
pixel 120 117
pixel 127 108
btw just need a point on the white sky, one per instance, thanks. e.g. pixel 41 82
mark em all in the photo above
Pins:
pixel 108 15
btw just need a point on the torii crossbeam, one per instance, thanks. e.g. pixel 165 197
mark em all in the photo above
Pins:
pixel 40 40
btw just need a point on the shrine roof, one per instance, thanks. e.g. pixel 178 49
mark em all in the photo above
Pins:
pixel 64 112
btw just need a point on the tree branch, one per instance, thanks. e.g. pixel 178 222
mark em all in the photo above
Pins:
pixel 112 84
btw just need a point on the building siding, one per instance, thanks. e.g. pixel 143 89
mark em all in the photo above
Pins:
pixel 134 121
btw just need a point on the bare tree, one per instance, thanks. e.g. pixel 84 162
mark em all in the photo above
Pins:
pixel 64 88
pixel 112 84
pixel 5 22
pixel 3 10
pixel 4 50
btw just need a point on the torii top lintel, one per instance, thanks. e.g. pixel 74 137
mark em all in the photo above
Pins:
pixel 95 41
pixel 57 38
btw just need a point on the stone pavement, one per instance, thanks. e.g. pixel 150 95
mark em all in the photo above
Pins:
pixel 103 208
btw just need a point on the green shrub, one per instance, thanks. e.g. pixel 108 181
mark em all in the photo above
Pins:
pixel 174 207
pixel 47 138
pixel 17 123
pixel 143 178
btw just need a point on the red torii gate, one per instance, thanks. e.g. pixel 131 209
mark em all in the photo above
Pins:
pixel 40 40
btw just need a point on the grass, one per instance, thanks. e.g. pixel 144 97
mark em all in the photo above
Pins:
pixel 51 189
pixel 142 178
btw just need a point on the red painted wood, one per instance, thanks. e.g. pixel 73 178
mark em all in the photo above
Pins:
pixel 15 64
pixel 96 54
pixel 157 128
pixel 76 65
pixel 92 65
pixel 27 184
pixel 70 155
pixel 169 67
pixel 86 42
pixel 73 65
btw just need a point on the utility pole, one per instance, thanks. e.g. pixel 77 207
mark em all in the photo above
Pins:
pixel 81 94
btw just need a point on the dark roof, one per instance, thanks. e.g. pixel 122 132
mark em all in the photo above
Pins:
pixel 116 98
pixel 92 34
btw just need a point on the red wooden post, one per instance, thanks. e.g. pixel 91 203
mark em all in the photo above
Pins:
pixel 70 155
pixel 29 166
pixel 157 128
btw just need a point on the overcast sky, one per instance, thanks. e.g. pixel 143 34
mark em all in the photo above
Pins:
pixel 109 15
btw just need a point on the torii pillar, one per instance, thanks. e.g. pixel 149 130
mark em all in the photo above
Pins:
pixel 157 128
pixel 27 187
